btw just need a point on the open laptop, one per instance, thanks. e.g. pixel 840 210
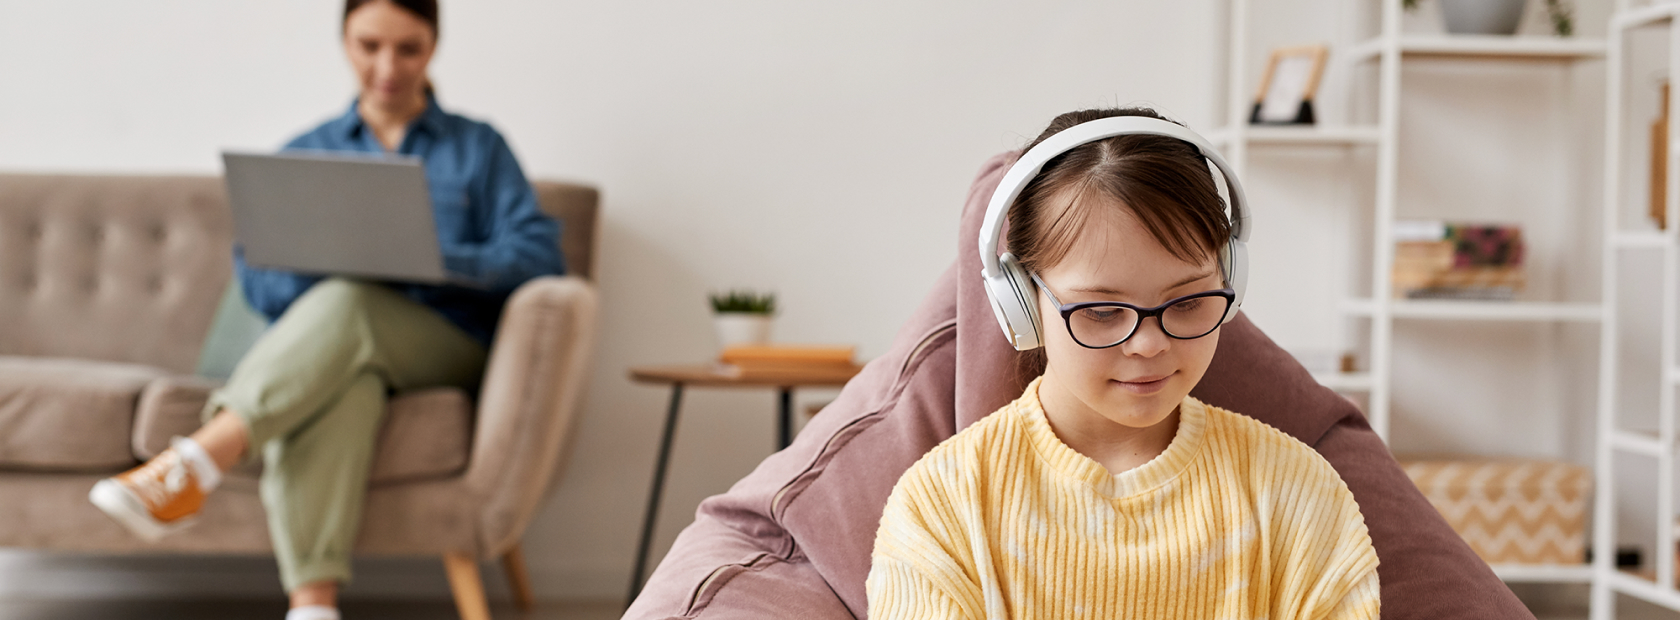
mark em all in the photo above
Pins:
pixel 342 214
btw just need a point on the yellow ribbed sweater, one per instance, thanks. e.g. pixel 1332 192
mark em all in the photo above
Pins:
pixel 1234 520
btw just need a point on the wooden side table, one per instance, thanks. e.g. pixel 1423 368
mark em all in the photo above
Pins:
pixel 712 375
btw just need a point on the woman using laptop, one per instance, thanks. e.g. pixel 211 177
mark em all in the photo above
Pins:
pixel 307 399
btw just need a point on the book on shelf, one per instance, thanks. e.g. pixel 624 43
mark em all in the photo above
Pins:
pixel 1435 259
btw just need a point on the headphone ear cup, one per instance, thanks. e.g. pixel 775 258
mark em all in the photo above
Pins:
pixel 1015 302
pixel 1027 292
pixel 1235 261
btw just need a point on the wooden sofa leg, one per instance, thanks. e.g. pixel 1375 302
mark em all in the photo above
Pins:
pixel 513 563
pixel 467 586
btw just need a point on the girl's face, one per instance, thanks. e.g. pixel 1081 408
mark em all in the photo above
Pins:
pixel 389 49
pixel 1140 382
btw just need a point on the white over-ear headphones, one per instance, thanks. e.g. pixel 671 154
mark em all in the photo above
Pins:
pixel 1014 298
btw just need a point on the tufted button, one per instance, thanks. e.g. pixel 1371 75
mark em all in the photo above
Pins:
pixel 33 230
pixel 27 283
pixel 158 232
pixel 90 284
pixel 154 284
pixel 95 234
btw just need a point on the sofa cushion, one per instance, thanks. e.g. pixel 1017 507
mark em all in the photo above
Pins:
pixel 113 268
pixel 68 415
pixel 426 433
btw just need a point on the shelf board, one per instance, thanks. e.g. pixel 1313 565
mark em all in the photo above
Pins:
pixel 1302 135
pixel 1344 381
pixel 1673 376
pixel 1641 239
pixel 1544 573
pixel 1644 16
pixel 1637 442
pixel 1645 589
pixel 1481 310
pixel 1485 47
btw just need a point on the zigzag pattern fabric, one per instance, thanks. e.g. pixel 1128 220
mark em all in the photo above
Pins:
pixel 1511 512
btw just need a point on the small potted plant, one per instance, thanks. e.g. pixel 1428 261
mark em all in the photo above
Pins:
pixel 742 317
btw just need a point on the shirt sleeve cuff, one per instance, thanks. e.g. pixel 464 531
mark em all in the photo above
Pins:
pixel 462 262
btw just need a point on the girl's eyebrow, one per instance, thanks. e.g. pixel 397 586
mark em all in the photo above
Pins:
pixel 1108 291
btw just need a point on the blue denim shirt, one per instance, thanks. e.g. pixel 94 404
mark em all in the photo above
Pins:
pixel 489 227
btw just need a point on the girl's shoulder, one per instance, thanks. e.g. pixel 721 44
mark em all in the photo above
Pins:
pixel 971 453
pixel 1266 457
pixel 1231 426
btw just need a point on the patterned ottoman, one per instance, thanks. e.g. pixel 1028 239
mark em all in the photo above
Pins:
pixel 1511 512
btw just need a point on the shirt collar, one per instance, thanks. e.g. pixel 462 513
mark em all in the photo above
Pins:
pixel 431 120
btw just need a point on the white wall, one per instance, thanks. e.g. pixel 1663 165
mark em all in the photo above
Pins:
pixel 821 150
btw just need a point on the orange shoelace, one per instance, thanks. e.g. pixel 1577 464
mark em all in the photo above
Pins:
pixel 160 480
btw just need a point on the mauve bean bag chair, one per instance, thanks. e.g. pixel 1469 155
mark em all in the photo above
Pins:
pixel 793 538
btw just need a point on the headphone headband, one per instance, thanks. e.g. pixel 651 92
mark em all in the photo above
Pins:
pixel 1012 293
pixel 1032 162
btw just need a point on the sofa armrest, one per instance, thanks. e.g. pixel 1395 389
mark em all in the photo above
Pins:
pixel 538 367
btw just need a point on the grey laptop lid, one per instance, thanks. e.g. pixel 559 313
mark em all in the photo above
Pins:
pixel 330 213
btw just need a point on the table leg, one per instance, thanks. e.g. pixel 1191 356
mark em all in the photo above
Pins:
pixel 785 428
pixel 652 515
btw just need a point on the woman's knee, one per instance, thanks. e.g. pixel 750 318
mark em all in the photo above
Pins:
pixel 338 296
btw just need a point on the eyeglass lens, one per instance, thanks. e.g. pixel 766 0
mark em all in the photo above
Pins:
pixel 1102 326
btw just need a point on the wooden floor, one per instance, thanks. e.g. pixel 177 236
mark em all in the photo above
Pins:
pixel 276 610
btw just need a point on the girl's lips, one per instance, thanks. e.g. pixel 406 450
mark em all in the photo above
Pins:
pixel 1148 385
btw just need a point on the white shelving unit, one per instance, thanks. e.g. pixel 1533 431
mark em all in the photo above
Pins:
pixel 1658 588
pixel 1388 50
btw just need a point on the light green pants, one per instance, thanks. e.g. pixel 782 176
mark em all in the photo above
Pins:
pixel 312 392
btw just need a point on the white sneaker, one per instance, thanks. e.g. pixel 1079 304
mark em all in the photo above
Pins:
pixel 313 612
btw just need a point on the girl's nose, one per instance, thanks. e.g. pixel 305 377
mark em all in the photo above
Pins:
pixel 1149 340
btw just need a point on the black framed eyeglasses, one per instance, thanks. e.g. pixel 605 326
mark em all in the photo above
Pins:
pixel 1104 324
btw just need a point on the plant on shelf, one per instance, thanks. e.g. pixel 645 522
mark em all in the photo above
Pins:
pixel 742 317
pixel 1559 12
pixel 1562 16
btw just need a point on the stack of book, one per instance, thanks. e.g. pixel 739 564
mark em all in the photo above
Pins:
pixel 764 360
pixel 1449 260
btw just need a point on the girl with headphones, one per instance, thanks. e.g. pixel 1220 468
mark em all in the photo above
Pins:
pixel 1105 490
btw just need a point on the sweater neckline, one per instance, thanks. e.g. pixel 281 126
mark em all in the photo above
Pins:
pixel 1186 443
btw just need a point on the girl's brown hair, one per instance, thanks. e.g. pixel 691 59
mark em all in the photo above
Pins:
pixel 1165 182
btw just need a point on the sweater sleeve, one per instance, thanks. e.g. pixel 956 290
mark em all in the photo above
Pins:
pixel 898 591
pixel 1363 601
pixel 913 571
pixel 1329 568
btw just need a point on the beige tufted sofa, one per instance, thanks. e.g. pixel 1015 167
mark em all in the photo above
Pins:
pixel 108 287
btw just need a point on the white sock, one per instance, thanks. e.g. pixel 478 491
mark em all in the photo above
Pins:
pixel 313 612
pixel 203 467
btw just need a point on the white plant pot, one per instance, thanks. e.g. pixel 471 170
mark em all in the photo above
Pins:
pixel 735 328
pixel 1482 16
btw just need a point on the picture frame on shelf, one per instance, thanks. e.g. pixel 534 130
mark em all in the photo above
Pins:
pixel 1288 85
